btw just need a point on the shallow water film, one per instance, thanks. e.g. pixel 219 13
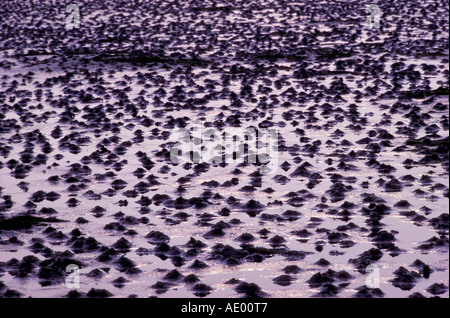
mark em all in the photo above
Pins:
pixel 227 149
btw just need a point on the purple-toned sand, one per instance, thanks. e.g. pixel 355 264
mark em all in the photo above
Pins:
pixel 92 204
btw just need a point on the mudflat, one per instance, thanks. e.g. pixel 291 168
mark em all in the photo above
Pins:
pixel 355 203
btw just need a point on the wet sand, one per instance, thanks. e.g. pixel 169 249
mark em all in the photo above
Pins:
pixel 362 165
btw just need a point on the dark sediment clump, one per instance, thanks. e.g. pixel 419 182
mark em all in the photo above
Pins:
pixel 367 292
pixel 366 258
pixel 119 184
pixel 253 208
pixel 179 203
pixel 96 273
pixel 198 265
pixel 245 238
pixel 434 242
pixel 322 262
pixel 232 281
pixel 271 217
pixel 11 293
pixel 437 289
pixel 328 290
pixel 120 282
pixel 277 241
pixel 86 131
pixel 292 269
pixel 191 279
pixel 157 199
pixel 13 240
pixel 250 290
pixel 228 254
pixel 98 293
pixel 404 279
pixel 404 204
pixel 283 280
pixel 24 268
pixel 393 185
pixel 81 244
pixel 38 247
pixel 8 203
pixel 195 244
pixel 264 233
pixel 91 195
pixel 143 251
pixel 433 151
pixel 115 226
pixel 98 211
pixel 52 196
pixel 424 269
pixel 72 202
pixel 201 290
pixel 336 237
pixel 441 223
pixel 338 191
pixel 75 294
pixel 281 179
pixel 301 171
pixel 157 237
pixel 125 265
pixel 247 253
pixel 291 215
pixel 178 260
pixel 173 276
pixel 161 287
pixel 217 230
pixel 54 234
pixel 53 269
pixel 47 211
pixel 292 255
pixel 330 283
pixel 302 233
pixel 375 213
pixel 21 222
pixel 122 245
pixel 416 295
pixel 107 255
pixel 384 240
pixel 161 250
